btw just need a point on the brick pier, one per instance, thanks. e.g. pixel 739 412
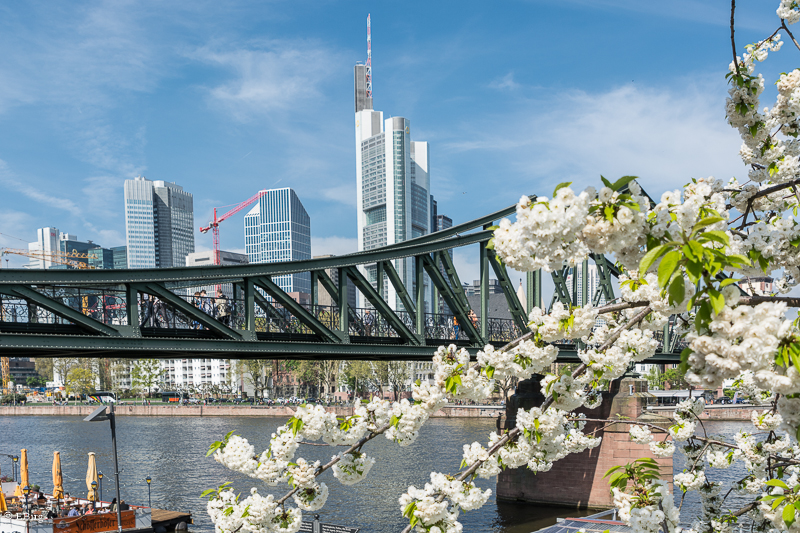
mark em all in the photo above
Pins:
pixel 577 480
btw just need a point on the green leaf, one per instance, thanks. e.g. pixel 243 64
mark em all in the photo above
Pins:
pixel 677 290
pixel 650 257
pixel 623 181
pixel 489 371
pixel 778 501
pixel 717 300
pixel 777 483
pixel 788 515
pixel 207 492
pixel 667 266
pixel 606 182
pixel 717 236
pixel 694 270
pixel 561 186
pixel 705 222
pixel 728 281
pixel 608 212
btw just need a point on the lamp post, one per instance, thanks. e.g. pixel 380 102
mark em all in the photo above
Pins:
pixel 148 491
pixel 102 414
pixel 100 477
pixel 15 459
pixel 26 490
pixel 94 493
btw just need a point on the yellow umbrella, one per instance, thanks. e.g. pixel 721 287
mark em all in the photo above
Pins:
pixel 58 480
pixel 3 507
pixel 23 472
pixel 91 475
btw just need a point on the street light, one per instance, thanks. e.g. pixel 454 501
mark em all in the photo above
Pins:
pixel 94 493
pixel 148 491
pixel 100 477
pixel 102 414
pixel 15 459
pixel 26 490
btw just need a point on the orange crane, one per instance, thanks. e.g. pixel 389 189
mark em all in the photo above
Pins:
pixel 214 224
pixel 60 258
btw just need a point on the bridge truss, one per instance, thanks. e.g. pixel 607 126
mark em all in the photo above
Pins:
pixel 104 313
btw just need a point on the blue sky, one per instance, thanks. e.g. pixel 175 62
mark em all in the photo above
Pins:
pixel 226 98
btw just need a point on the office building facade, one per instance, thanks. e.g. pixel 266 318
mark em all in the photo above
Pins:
pixel 392 186
pixel 159 221
pixel 51 247
pixel 276 229
pixel 120 256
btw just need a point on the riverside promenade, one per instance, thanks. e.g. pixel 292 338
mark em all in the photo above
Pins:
pixel 454 411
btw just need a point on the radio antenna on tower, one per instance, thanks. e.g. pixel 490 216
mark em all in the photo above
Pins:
pixel 369 58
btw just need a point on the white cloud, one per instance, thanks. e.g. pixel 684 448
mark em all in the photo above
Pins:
pixel 270 75
pixel 333 245
pixel 345 194
pixel 505 83
pixel 37 194
pixel 664 136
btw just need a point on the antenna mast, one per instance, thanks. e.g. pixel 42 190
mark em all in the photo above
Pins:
pixel 369 58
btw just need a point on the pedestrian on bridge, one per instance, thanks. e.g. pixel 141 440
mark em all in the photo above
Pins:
pixel 369 320
pixel 222 308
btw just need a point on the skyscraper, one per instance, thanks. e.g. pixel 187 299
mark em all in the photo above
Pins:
pixel 392 182
pixel 593 284
pixel 159 217
pixel 278 228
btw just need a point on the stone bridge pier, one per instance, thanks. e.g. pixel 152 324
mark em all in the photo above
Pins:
pixel 577 480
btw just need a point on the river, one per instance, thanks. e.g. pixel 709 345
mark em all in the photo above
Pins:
pixel 172 452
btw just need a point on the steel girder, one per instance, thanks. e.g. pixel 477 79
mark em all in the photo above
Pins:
pixel 382 307
pixel 85 335
pixel 300 312
pixel 514 305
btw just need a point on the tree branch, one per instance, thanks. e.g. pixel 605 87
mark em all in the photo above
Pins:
pixel 733 40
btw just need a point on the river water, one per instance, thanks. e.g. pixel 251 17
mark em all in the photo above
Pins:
pixel 171 450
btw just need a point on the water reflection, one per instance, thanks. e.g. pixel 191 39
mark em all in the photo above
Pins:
pixel 172 452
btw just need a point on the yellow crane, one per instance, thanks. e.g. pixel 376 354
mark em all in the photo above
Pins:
pixel 5 373
pixel 60 258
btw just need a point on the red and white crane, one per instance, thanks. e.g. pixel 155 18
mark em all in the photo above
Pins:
pixel 214 224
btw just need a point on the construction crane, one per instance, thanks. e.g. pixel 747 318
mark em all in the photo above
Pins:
pixel 5 373
pixel 214 224
pixel 60 258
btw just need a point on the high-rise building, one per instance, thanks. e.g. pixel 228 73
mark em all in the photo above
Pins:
pixel 392 182
pixel 159 221
pixel 592 285
pixel 278 228
pixel 101 258
pixel 51 241
pixel 120 256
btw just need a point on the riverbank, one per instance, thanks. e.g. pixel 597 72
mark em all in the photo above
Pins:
pixel 453 411
pixel 723 413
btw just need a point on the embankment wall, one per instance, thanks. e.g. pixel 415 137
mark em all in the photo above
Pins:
pixel 459 411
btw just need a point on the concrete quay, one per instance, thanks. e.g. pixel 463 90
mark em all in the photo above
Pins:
pixel 454 411
pixel 723 413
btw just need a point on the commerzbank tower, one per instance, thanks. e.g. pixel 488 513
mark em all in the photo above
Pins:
pixel 393 183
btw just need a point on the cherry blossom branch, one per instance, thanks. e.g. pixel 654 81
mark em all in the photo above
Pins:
pixel 785 27
pixel 774 188
pixel 514 433
pixel 733 40
pixel 338 458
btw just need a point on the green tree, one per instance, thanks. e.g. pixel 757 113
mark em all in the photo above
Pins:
pixel 256 372
pixel 146 374
pixel 36 381
pixel 44 367
pixel 81 380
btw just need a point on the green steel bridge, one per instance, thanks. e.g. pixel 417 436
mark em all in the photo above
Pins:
pixel 104 313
